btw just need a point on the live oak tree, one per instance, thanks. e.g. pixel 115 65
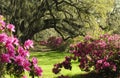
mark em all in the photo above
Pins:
pixel 114 19
pixel 69 18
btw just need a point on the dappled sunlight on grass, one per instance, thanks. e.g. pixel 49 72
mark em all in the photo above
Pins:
pixel 49 58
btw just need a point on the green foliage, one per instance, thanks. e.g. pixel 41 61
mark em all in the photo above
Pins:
pixel 45 34
pixel 69 18
pixel 114 18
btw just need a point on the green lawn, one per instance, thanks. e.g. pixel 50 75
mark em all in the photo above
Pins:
pixel 48 59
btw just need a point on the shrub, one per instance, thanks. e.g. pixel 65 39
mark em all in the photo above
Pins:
pixel 102 54
pixel 14 58
pixel 55 43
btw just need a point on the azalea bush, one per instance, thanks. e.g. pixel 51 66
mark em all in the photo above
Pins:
pixel 53 42
pixel 14 56
pixel 102 55
pixel 57 43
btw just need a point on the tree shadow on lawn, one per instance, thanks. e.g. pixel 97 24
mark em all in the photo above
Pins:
pixel 51 54
pixel 90 75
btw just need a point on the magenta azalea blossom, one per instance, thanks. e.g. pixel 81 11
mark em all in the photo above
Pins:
pixel 102 44
pixel 26 65
pixel 16 41
pixel 26 53
pixel 11 53
pixel 3 37
pixel 23 52
pixel 11 27
pixel 38 71
pixel 19 60
pixel 20 50
pixel 15 56
pixel 99 61
pixel 28 44
pixel 106 64
pixel 35 61
pixel 10 40
pixel 10 47
pixel 5 58
pixel 13 40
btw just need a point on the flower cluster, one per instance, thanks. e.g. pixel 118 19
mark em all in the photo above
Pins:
pixel 53 42
pixel 66 64
pixel 37 70
pixel 102 54
pixel 14 55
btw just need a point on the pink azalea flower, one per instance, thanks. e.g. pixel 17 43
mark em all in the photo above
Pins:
pixel 106 64
pixel 10 47
pixel 23 52
pixel 100 61
pixel 38 71
pixel 10 40
pixel 11 27
pixel 27 53
pixel 11 53
pixel 3 37
pixel 13 40
pixel 20 49
pixel 26 65
pixel 5 58
pixel 16 41
pixel 102 44
pixel 28 44
pixel 19 60
pixel 35 61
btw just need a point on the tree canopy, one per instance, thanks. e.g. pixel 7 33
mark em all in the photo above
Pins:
pixel 114 19
pixel 69 18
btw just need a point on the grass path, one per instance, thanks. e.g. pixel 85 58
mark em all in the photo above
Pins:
pixel 48 59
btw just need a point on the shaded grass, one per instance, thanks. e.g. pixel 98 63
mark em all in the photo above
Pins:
pixel 88 75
